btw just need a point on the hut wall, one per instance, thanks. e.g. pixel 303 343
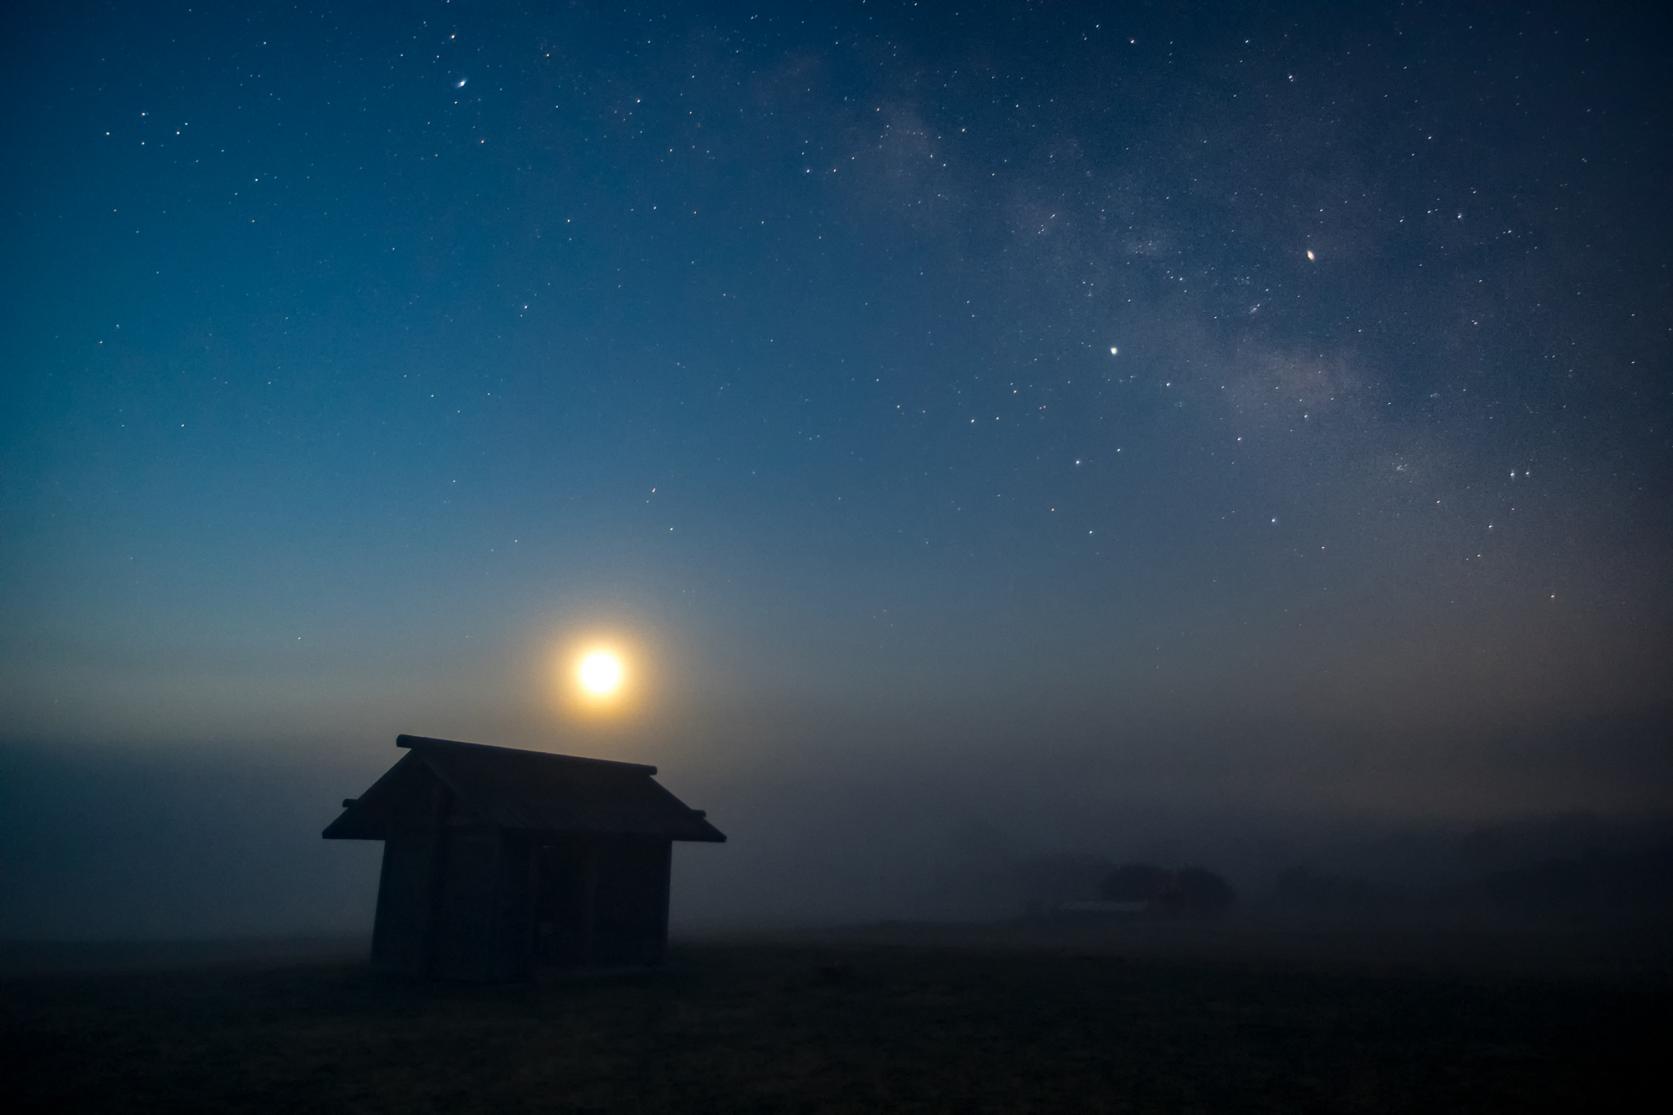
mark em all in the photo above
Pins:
pixel 409 886
pixel 560 894
pixel 631 901
pixel 455 904
pixel 515 917
pixel 485 905
pixel 404 896
pixel 467 921
pixel 598 900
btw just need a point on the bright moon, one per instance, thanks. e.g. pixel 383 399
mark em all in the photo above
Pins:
pixel 600 673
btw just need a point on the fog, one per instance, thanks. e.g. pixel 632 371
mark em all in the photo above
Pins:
pixel 850 818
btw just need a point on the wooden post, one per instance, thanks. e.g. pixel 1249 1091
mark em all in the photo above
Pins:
pixel 667 870
pixel 383 926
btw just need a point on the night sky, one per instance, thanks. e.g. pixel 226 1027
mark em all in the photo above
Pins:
pixel 1049 418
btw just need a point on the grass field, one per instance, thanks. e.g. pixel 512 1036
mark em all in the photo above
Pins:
pixel 829 1025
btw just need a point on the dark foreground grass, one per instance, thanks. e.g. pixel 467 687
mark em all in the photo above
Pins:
pixel 828 1027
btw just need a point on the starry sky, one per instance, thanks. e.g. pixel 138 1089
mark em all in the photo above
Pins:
pixel 1242 407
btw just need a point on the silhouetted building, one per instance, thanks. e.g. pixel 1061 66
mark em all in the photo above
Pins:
pixel 499 862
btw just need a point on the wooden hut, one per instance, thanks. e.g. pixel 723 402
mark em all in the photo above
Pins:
pixel 498 863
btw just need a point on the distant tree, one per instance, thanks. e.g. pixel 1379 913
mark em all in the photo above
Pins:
pixel 1189 890
pixel 1136 882
pixel 1061 877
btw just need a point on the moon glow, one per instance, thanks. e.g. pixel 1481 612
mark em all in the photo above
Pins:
pixel 600 673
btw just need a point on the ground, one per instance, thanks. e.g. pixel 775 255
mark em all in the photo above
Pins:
pixel 867 1022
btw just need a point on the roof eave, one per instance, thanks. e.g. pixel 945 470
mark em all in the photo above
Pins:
pixel 709 835
pixel 349 826
pixel 419 743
